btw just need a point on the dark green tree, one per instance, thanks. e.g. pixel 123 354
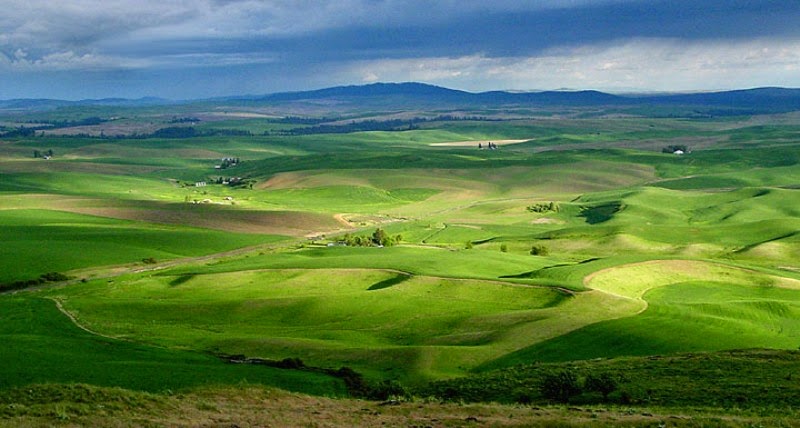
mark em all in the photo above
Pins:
pixel 560 386
pixel 380 237
pixel 603 383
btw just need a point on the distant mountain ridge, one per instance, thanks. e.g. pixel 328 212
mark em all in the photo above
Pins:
pixel 410 94
pixel 769 99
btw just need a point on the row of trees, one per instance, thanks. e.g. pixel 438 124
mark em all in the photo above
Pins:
pixel 319 127
pixel 30 131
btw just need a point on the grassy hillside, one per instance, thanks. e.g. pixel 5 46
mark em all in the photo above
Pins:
pixel 38 241
pixel 380 321
pixel 42 345
pixel 726 380
pixel 578 238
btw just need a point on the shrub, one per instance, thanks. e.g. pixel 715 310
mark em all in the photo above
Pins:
pixel 387 389
pixel 539 250
pixel 504 248
pixel 54 277
pixel 290 363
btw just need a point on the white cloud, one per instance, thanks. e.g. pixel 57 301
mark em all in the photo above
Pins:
pixel 644 64
pixel 67 60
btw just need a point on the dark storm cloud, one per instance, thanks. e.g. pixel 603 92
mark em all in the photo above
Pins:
pixel 469 44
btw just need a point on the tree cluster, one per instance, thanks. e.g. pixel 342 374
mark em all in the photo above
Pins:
pixel 543 207
pixel 378 238
pixel 564 385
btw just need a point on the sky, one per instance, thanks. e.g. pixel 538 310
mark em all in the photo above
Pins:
pixel 189 49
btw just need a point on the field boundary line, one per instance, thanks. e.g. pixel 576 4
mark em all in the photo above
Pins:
pixel 74 320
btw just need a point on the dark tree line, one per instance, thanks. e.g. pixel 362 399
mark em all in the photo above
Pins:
pixel 366 125
pixel 19 132
pixel 30 131
pixel 185 120
pixel 42 279
pixel 191 132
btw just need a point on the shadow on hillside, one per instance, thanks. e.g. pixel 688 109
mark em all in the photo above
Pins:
pixel 386 283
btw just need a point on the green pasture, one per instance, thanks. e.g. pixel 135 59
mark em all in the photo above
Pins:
pixel 382 322
pixel 687 306
pixel 647 253
pixel 724 379
pixel 416 260
pixel 40 241
pixel 41 345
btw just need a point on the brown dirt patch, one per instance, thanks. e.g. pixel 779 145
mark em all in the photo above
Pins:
pixel 545 220
pixel 305 180
pixel 289 223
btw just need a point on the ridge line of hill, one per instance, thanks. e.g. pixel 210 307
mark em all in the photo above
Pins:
pixel 402 94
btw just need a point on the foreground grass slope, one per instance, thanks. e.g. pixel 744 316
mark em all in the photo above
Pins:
pixel 386 323
pixel 43 346
pixel 393 324
pixel 758 380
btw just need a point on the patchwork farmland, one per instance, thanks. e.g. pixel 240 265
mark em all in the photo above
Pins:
pixel 402 264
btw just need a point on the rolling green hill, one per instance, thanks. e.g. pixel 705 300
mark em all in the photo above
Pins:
pixel 578 238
